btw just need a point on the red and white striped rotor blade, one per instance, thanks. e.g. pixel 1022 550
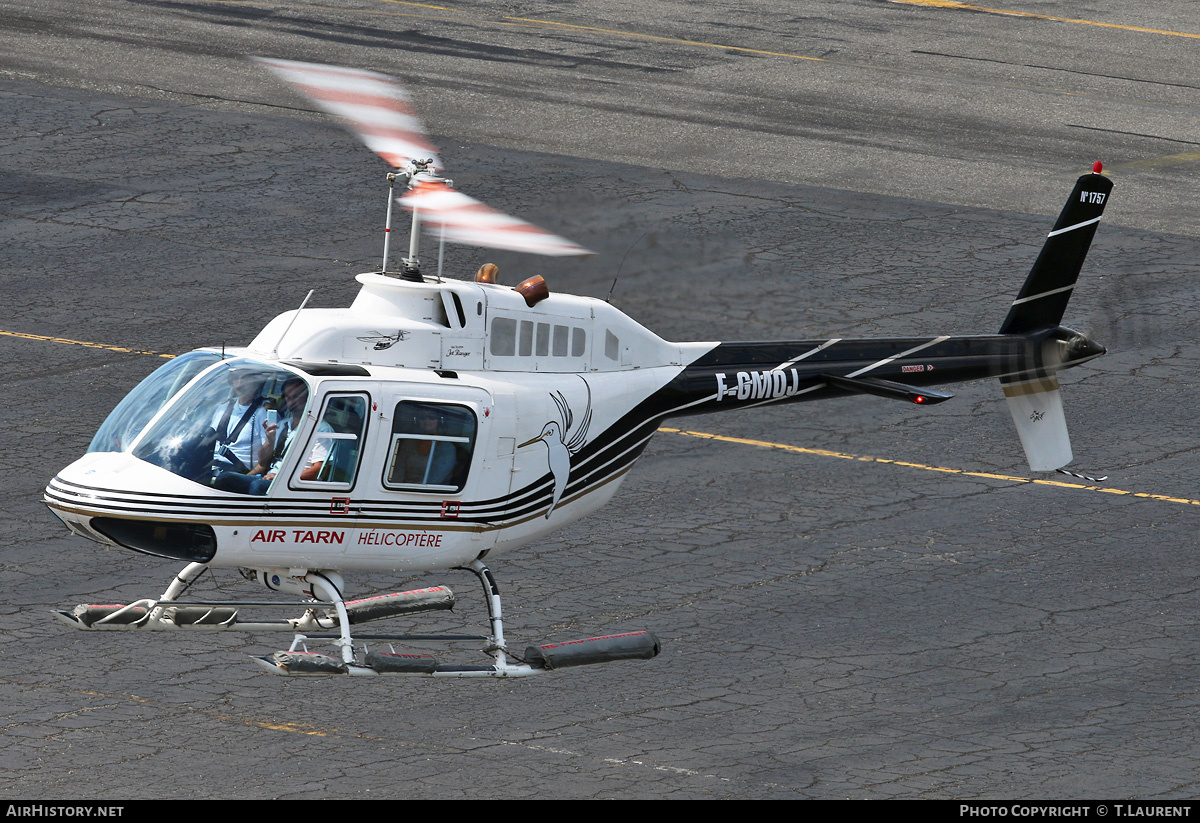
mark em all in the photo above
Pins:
pixel 462 219
pixel 372 105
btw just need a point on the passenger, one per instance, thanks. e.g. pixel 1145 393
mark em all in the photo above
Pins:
pixel 239 423
pixel 278 438
pixel 425 462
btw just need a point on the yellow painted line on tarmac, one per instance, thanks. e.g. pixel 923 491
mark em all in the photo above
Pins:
pixel 1156 162
pixel 950 4
pixel 105 346
pixel 766 444
pixel 224 717
pixel 418 5
pixel 294 728
pixel 661 39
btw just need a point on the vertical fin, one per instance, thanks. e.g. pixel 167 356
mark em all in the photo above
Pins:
pixel 1043 298
pixel 1037 411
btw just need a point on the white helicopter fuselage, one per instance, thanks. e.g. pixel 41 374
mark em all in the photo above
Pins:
pixel 534 382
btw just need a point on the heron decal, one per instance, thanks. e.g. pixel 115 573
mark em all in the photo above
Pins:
pixel 561 442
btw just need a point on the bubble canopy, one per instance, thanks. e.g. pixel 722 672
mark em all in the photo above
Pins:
pixel 126 421
pixel 198 394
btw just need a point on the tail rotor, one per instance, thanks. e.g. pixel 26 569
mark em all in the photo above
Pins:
pixel 1032 390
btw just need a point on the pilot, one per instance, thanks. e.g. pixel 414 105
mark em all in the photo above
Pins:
pixel 277 438
pixel 239 423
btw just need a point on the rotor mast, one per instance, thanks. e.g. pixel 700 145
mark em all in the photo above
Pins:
pixel 412 175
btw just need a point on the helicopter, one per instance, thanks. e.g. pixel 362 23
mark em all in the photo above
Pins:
pixel 439 422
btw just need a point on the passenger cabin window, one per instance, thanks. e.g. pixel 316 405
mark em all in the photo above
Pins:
pixel 529 339
pixel 431 447
pixel 333 453
pixel 504 337
pixel 612 346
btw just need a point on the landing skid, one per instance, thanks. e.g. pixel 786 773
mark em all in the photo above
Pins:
pixel 331 613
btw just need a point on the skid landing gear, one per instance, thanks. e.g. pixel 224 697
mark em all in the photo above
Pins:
pixel 329 611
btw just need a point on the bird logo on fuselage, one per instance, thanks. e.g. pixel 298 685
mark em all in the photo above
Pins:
pixel 562 441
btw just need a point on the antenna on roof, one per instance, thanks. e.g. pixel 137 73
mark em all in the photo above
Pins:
pixel 620 266
pixel 275 351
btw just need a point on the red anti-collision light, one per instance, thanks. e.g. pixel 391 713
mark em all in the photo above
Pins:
pixel 1097 167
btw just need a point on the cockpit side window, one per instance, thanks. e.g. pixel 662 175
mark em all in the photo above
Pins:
pixel 431 447
pixel 336 446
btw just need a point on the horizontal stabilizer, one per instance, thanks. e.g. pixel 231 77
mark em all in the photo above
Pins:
pixel 886 388
pixel 1037 411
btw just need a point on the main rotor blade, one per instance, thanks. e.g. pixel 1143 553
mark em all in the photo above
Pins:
pixel 463 219
pixel 372 105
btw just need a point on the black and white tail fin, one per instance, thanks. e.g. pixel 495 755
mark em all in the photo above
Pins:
pixel 1043 298
pixel 1033 398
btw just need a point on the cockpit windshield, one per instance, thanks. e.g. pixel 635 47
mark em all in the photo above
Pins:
pixel 226 426
pixel 126 421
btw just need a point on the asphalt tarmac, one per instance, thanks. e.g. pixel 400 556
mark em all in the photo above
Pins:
pixel 856 598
